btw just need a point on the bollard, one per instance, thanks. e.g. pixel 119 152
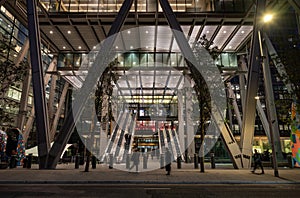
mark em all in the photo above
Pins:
pixel 25 162
pixel 77 158
pixel 162 161
pixel 127 161
pixel 94 162
pixel 179 162
pixel 196 165
pixel 111 161
pixel 12 162
pixel 29 161
pixel 290 161
pixel 212 160
pixel 145 160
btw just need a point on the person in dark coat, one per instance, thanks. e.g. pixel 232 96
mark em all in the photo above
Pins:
pixel 136 160
pixel 257 162
pixel 168 161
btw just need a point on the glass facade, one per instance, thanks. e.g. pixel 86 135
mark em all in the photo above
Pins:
pixel 146 5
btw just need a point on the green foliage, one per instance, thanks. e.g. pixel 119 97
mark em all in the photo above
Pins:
pixel 214 51
pixel 10 75
pixel 104 91
pixel 288 49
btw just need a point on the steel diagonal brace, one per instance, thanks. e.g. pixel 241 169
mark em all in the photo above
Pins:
pixel 189 55
pixel 72 117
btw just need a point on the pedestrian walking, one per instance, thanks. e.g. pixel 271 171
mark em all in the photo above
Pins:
pixel 168 161
pixel 136 160
pixel 257 162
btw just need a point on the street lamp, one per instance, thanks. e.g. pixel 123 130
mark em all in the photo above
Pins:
pixel 267 18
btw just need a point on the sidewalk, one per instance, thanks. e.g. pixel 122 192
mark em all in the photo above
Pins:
pixel 223 174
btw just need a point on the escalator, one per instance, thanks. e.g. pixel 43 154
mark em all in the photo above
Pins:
pixel 115 137
pixel 176 145
pixel 125 144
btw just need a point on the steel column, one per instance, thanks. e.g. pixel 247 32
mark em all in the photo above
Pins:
pixel 73 116
pixel 40 103
pixel 271 109
pixel 51 98
pixel 30 120
pixel 58 111
pixel 252 87
pixel 24 101
pixel 25 87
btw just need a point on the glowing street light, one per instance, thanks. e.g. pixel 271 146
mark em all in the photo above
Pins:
pixel 267 18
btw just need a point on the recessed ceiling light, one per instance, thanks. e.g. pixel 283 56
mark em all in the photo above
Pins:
pixel 117 47
pixel 207 32
pixel 69 32
pixel 131 47
pixel 147 31
pixel 94 47
pixel 64 47
pixel 79 47
pixel 243 32
pixel 51 32
pixel 147 47
pixel 173 63
pixel 128 32
pixel 230 47
pixel 224 31
pixel 134 63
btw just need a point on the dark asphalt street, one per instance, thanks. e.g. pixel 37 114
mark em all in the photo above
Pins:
pixel 150 191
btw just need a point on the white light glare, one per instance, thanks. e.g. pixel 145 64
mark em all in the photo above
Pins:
pixel 268 18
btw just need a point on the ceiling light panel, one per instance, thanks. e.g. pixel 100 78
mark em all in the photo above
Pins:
pixel 175 47
pixel 147 81
pixel 194 33
pixel 73 38
pixel 164 36
pixel 126 92
pixel 147 36
pixel 161 79
pixel 159 92
pixel 208 31
pixel 223 35
pixel 122 83
pixel 186 29
pixel 131 39
pixel 88 35
pixel 134 82
pixel 55 37
pixel 239 37
pixel 147 92
pixel 173 81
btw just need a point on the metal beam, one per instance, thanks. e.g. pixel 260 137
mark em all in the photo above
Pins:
pixel 271 111
pixel 252 87
pixel 58 111
pixel 186 50
pixel 24 101
pixel 30 120
pixel 51 98
pixel 86 89
pixel 40 103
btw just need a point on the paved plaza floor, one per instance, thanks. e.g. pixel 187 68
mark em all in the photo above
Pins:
pixel 222 174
